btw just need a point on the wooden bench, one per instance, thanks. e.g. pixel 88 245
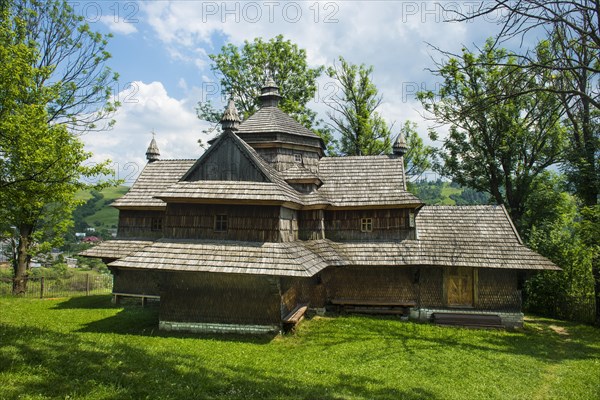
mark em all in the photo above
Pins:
pixel 467 320
pixel 401 307
pixel 294 317
pixel 118 296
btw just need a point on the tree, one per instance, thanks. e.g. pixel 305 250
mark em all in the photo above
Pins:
pixel 41 164
pixel 572 30
pixel 243 71
pixel 553 225
pixel 74 58
pixel 363 131
pixel 417 158
pixel 498 146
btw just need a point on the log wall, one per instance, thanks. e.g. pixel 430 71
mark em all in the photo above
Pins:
pixel 245 223
pixel 345 225
pixel 140 224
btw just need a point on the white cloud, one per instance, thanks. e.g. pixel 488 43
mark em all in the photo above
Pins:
pixel 118 25
pixel 149 109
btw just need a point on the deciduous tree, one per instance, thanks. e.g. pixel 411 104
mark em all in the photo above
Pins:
pixel 495 146
pixel 363 131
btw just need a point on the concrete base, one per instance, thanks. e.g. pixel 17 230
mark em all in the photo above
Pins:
pixel 213 327
pixel 510 320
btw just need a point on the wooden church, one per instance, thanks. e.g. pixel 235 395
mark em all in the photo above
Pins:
pixel 263 227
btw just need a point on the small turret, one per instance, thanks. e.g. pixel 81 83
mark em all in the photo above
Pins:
pixel 269 94
pixel 230 120
pixel 152 154
pixel 400 147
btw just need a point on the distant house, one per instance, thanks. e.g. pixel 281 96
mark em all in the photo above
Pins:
pixel 263 226
pixel 91 239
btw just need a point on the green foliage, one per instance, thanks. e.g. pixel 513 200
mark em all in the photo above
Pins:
pixel 418 157
pixel 363 131
pixel 430 192
pixel 554 228
pixel 42 164
pixel 503 131
pixel 243 71
pixel 86 348
pixel 74 58
pixel 469 196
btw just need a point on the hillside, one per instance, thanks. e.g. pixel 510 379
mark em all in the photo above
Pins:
pixel 96 212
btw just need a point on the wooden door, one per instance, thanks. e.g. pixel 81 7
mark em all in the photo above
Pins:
pixel 459 287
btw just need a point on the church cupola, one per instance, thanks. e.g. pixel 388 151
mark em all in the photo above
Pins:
pixel 152 154
pixel 400 147
pixel 231 119
pixel 269 94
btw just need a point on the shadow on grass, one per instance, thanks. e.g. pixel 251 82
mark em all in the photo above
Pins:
pixel 44 364
pixel 537 340
pixel 87 302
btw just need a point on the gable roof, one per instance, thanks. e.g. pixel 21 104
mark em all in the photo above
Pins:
pixel 275 189
pixel 154 178
pixel 227 138
pixel 358 181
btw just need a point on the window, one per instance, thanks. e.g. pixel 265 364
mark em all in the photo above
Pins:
pixel 411 219
pixel 220 223
pixel 366 225
pixel 156 224
pixel 298 158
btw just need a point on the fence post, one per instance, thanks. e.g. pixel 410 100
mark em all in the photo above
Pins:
pixel 87 284
pixel 42 287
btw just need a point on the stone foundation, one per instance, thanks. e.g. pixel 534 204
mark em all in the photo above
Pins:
pixel 214 327
pixel 510 320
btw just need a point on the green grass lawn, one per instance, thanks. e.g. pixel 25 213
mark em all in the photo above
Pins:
pixel 86 348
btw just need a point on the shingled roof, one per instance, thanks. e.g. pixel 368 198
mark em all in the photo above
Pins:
pixel 438 245
pixel 365 181
pixel 118 248
pixel 272 119
pixel 279 259
pixel 453 236
pixel 155 178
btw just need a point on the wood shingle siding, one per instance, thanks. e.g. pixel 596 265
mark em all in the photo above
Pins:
pixel 220 298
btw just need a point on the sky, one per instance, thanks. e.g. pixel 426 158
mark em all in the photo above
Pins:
pixel 160 50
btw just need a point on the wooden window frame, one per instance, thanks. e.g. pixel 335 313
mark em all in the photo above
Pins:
pixel 156 224
pixel 366 225
pixel 221 223
pixel 298 158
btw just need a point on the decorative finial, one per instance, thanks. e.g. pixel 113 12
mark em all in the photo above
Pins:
pixel 269 93
pixel 231 119
pixel 152 154
pixel 400 147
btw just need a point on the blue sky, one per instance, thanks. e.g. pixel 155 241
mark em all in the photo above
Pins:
pixel 160 49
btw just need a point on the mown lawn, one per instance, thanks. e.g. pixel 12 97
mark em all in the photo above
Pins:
pixel 86 348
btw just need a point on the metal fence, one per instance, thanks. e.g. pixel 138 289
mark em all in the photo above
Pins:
pixel 76 285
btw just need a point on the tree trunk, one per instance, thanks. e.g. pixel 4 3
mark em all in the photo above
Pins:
pixel 20 265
